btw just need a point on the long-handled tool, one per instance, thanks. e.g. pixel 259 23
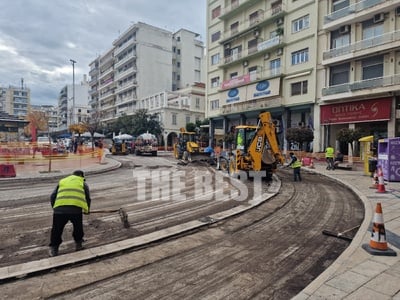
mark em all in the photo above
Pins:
pixel 340 234
pixel 122 213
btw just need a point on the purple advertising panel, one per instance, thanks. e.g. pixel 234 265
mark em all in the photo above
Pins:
pixel 389 158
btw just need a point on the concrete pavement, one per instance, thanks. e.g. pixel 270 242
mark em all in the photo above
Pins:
pixel 356 274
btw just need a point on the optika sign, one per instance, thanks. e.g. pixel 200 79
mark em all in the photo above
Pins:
pixel 356 112
pixel 348 108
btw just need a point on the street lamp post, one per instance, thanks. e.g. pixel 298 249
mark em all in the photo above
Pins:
pixel 73 90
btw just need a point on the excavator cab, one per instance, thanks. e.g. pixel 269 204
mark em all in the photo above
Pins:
pixel 256 148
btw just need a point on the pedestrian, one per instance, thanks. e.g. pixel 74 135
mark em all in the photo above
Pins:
pixel 296 166
pixel 338 159
pixel 329 154
pixel 69 199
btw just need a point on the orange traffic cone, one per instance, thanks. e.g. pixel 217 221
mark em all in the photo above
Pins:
pixel 381 181
pixel 378 244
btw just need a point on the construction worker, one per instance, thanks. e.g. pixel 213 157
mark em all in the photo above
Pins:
pixel 69 199
pixel 296 166
pixel 329 154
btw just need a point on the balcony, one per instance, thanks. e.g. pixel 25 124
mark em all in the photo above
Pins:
pixel 358 12
pixel 126 86
pixel 261 48
pixel 106 72
pixel 263 18
pixel 125 59
pixel 123 47
pixel 250 78
pixel 383 42
pixel 235 7
pixel 364 87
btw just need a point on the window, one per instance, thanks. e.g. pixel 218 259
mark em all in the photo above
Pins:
pixel 371 29
pixel 216 36
pixel 372 67
pixel 215 82
pixel 340 4
pixel 187 119
pixel 233 75
pixel 252 46
pixel 339 74
pixel 299 57
pixel 299 88
pixel 339 39
pixel 197 62
pixel 197 76
pixel 275 66
pixel 197 102
pixel 216 12
pixel 215 59
pixel 234 27
pixel 178 64
pixel 178 51
pixel 253 18
pixel 214 104
pixel 173 119
pixel 300 24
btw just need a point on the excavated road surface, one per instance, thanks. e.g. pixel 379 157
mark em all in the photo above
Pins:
pixel 270 252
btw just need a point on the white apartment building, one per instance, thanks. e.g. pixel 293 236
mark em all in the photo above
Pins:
pixel 176 109
pixel 144 60
pixel 322 64
pixel 15 101
pixel 359 67
pixel 70 111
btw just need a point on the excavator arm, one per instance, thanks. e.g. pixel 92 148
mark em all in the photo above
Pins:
pixel 265 135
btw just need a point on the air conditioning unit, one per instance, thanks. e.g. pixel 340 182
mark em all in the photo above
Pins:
pixel 245 63
pixel 379 18
pixel 344 29
pixel 228 46
pixel 279 51
pixel 279 21
pixel 266 55
pixel 256 33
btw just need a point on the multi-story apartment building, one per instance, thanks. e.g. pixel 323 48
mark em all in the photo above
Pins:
pixel 51 112
pixel 144 60
pixel 322 64
pixel 261 57
pixel 176 109
pixel 359 67
pixel 15 101
pixel 70 110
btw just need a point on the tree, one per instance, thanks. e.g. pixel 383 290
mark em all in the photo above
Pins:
pixel 37 121
pixel 299 135
pixel 143 122
pixel 348 136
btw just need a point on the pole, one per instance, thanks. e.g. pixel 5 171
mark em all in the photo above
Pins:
pixel 73 90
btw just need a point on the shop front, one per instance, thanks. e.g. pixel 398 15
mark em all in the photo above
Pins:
pixel 369 117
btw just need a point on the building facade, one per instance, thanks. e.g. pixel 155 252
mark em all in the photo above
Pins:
pixel 15 101
pixel 176 109
pixel 70 110
pixel 359 68
pixel 307 62
pixel 144 60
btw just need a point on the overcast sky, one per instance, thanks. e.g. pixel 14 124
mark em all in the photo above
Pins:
pixel 39 37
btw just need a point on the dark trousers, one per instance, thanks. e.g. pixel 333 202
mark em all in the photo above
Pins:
pixel 296 174
pixel 59 222
pixel 329 161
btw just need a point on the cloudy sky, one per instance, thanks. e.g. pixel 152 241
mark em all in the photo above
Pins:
pixel 39 37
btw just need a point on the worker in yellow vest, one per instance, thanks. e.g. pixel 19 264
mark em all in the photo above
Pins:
pixel 296 166
pixel 70 198
pixel 329 155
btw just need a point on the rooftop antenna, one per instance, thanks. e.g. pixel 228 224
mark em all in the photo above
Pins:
pixel 22 83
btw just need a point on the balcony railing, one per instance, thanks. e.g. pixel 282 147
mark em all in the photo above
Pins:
pixel 261 47
pixel 125 59
pixel 362 45
pixel 386 81
pixel 249 78
pixel 351 9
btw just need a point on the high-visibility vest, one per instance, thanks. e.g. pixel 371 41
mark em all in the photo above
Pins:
pixel 71 191
pixel 296 164
pixel 329 152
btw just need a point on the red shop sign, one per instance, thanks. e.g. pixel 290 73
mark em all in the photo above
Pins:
pixel 355 112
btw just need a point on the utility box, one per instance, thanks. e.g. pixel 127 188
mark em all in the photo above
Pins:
pixel 389 158
pixel 365 152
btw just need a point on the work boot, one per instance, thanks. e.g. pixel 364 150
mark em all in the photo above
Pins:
pixel 53 251
pixel 78 246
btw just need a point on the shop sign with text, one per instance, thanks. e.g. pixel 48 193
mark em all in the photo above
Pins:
pixel 355 112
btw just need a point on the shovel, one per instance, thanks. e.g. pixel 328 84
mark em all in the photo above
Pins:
pixel 122 213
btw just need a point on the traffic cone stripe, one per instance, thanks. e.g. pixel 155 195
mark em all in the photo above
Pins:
pixel 381 181
pixel 378 234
